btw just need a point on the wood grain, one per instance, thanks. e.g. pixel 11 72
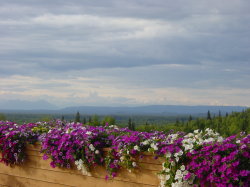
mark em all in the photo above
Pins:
pixel 37 172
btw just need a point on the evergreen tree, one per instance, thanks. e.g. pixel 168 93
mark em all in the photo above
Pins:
pixel 177 122
pixel 208 115
pixel 131 125
pixel 84 121
pixel 219 114
pixel 77 117
pixel 244 122
pixel 62 119
pixel 90 120
pixel 190 118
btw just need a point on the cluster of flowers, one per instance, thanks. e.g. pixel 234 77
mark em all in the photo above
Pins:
pixel 206 158
pixel 226 162
pixel 195 158
pixel 13 139
pixel 74 143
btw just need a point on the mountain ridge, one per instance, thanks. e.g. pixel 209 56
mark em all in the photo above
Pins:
pixel 155 109
pixel 162 110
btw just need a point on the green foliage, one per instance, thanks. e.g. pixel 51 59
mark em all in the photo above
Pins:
pixel 109 119
pixel 228 125
pixel 90 120
pixel 84 121
pixel 2 117
pixel 131 125
pixel 40 129
pixel 190 118
pixel 208 115
pixel 78 117
pixel 46 118
pixel 95 121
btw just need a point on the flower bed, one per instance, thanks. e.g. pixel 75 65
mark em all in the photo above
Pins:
pixel 38 172
pixel 202 158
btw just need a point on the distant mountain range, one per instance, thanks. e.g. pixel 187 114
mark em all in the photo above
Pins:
pixel 26 105
pixel 164 110
pixel 19 106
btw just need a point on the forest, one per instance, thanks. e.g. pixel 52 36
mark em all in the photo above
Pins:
pixel 226 125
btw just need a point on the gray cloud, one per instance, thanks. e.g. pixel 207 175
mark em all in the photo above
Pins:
pixel 137 43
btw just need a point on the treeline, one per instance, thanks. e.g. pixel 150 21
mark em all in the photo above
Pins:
pixel 94 120
pixel 226 125
pixel 120 120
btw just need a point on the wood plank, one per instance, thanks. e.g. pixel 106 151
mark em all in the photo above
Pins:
pixel 36 146
pixel 66 178
pixel 36 168
pixel 38 162
pixel 147 171
pixel 34 153
pixel 15 181
pixel 148 157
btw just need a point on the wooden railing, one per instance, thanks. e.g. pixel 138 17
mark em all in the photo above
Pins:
pixel 36 172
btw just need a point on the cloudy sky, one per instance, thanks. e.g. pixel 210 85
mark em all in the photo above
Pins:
pixel 125 52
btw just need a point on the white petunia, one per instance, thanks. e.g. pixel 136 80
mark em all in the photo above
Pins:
pixel 134 164
pixel 137 148
pixel 167 170
pixel 178 172
pixel 182 168
pixel 177 159
pixel 167 177
pixel 154 146
pixel 190 135
pixel 168 155
pixel 91 147
pixel 172 163
pixel 180 153
pixel 88 132
pixel 196 131
pixel 146 142
pixel 220 139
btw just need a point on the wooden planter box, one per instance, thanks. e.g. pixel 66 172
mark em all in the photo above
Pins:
pixel 37 172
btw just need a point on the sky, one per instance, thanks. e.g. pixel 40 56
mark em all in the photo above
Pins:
pixel 125 52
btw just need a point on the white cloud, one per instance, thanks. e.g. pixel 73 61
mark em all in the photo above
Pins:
pixel 105 91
